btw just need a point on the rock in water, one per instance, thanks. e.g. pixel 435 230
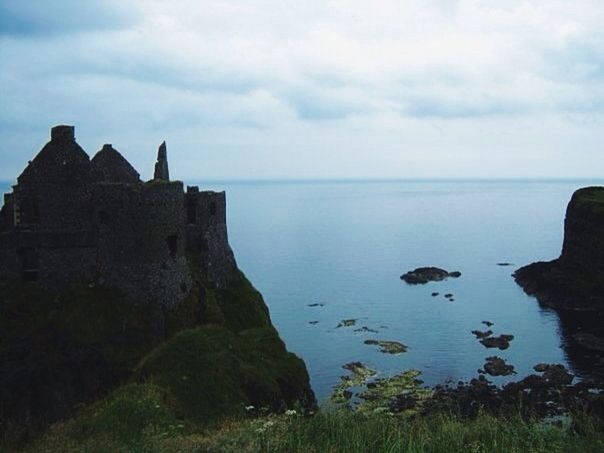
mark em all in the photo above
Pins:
pixel 480 334
pixel 423 275
pixel 388 347
pixel 502 341
pixel 496 366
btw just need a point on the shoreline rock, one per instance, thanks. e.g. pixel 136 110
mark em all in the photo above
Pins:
pixel 496 366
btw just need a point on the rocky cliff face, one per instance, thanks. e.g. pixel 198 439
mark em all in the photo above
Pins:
pixel 574 281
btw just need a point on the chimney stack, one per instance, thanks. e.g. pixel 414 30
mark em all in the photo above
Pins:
pixel 62 133
pixel 161 166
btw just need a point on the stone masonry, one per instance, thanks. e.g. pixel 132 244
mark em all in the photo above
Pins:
pixel 74 220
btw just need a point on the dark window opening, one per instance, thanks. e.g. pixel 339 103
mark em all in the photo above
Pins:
pixel 172 242
pixel 28 210
pixel 103 218
pixel 191 213
pixel 212 208
pixel 29 264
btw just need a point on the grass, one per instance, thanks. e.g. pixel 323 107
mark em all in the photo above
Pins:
pixel 212 372
pixel 590 199
pixel 218 353
pixel 139 419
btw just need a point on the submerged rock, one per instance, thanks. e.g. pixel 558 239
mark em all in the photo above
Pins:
pixel 423 275
pixel 502 341
pixel 316 305
pixel 488 323
pixel 365 329
pixel 496 366
pixel 435 294
pixel 505 264
pixel 346 323
pixel 388 347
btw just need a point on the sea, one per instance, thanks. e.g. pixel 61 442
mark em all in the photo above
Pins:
pixel 324 251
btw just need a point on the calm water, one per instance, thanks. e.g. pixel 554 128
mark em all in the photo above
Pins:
pixel 345 244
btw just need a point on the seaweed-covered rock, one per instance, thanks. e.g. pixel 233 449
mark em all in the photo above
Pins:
pixel 388 347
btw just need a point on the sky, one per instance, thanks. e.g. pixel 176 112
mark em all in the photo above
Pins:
pixel 313 89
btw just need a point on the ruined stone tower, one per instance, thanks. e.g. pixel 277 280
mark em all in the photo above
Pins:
pixel 74 220
pixel 161 166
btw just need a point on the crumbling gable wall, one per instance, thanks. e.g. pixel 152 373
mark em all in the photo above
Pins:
pixel 53 191
pixel 108 165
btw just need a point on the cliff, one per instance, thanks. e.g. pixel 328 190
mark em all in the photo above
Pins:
pixel 107 281
pixel 574 281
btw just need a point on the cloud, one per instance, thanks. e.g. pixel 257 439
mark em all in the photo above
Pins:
pixel 251 75
pixel 36 18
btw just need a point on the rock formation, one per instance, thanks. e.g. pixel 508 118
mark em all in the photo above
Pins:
pixel 574 281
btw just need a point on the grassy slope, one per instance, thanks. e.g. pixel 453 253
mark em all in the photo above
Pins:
pixel 139 418
pixel 221 353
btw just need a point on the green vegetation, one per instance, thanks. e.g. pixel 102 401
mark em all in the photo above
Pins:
pixel 212 372
pixel 590 198
pixel 138 418
pixel 210 357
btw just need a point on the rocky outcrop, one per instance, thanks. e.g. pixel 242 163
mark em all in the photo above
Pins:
pixel 574 281
pixel 423 275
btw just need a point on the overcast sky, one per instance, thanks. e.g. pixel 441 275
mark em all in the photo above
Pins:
pixel 259 89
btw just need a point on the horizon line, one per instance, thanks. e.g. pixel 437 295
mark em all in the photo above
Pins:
pixel 380 180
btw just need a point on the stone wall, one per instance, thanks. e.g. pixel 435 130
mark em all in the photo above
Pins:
pixel 207 237
pixel 7 213
pixel 53 191
pixel 141 238
pixel 71 220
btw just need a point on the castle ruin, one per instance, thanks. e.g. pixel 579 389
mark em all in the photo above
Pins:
pixel 71 220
